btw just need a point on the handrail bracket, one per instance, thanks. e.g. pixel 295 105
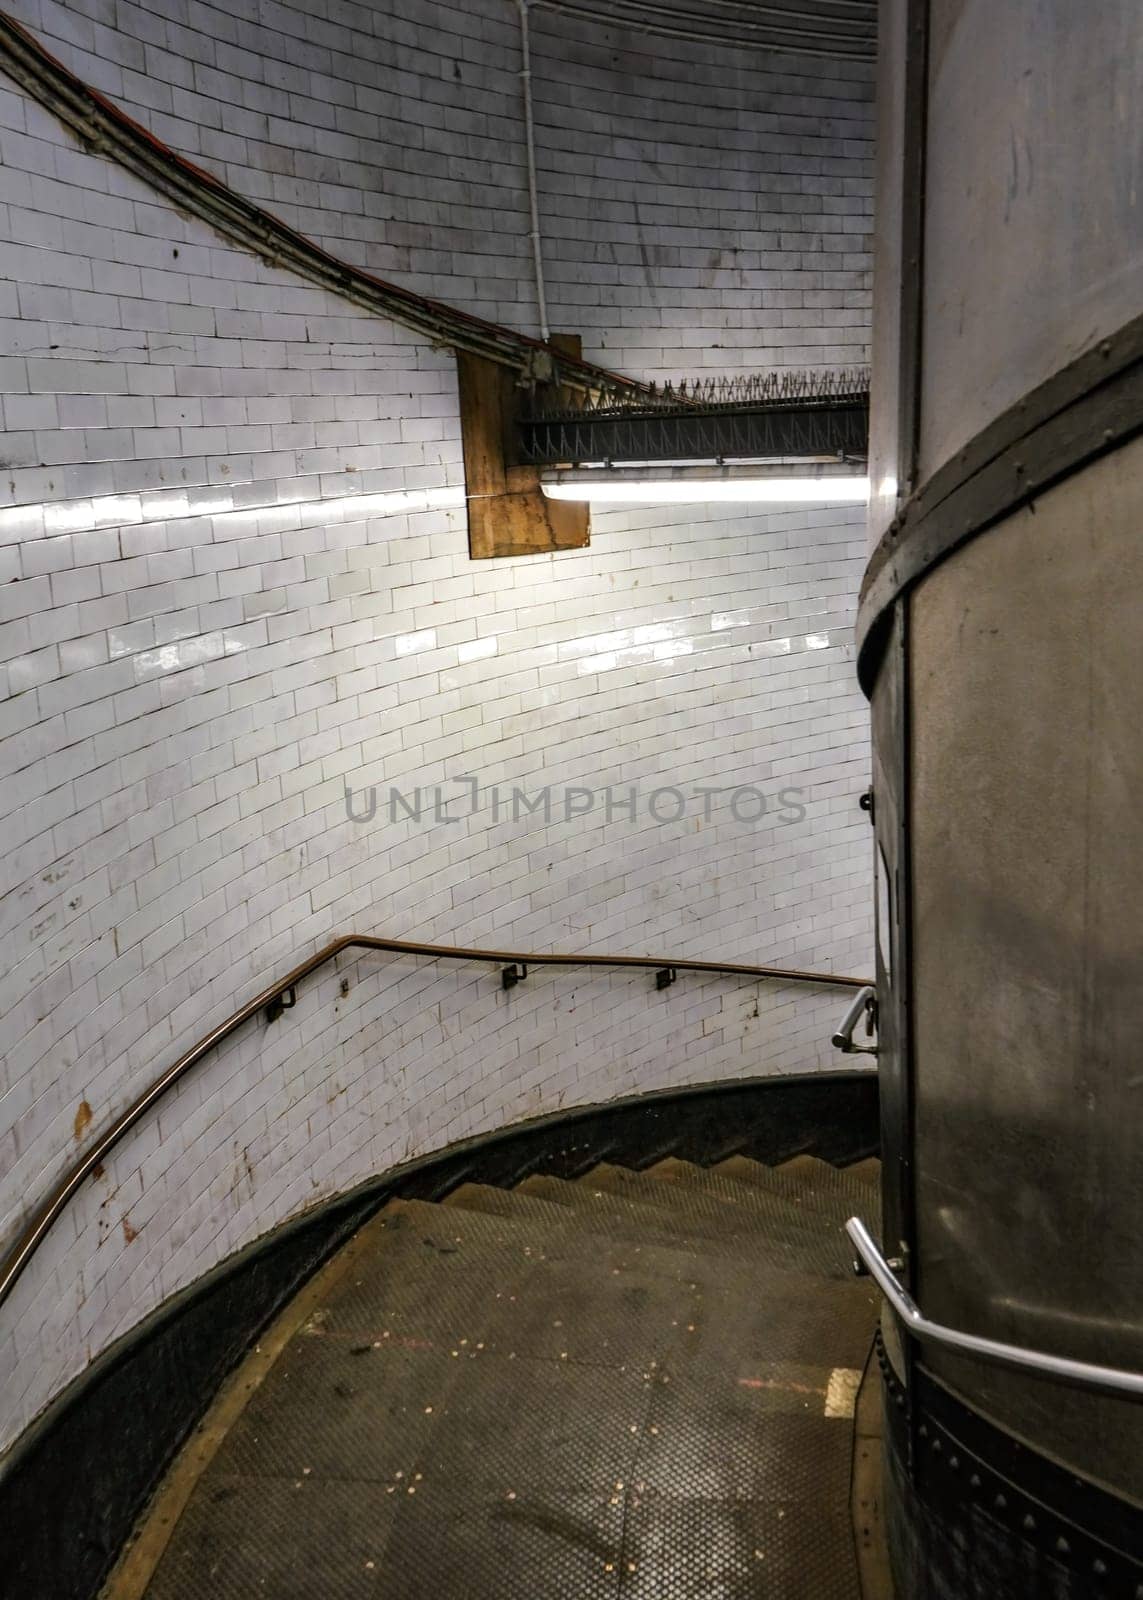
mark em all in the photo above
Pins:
pixel 281 1002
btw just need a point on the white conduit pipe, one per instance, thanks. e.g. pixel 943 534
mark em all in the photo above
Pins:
pixel 533 197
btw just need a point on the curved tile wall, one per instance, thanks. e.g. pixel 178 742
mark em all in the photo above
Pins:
pixel 234 582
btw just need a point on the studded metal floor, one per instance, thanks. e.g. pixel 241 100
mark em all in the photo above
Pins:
pixel 636 1385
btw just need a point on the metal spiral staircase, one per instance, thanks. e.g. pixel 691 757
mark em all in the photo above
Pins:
pixel 631 1383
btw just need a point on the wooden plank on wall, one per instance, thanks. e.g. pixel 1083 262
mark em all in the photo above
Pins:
pixel 508 514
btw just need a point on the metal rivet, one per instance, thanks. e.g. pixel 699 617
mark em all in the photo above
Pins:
pixel 1000 1502
pixel 1063 1546
pixel 1030 1523
pixel 1099 1567
pixel 974 1481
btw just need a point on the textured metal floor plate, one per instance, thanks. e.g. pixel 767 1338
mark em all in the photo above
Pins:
pixel 804 1179
pixel 776 1227
pixel 545 1404
pixel 659 1185
pixel 611 1217
pixel 867 1172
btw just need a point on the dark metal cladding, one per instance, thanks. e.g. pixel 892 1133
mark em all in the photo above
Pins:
pixel 974 1486
pixel 1000 645
pixel 840 431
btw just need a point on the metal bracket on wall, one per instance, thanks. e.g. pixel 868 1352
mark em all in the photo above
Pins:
pixel 511 976
pixel 896 1265
pixel 281 1002
pixel 665 977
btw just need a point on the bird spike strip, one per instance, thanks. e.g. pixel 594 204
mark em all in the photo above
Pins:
pixel 718 392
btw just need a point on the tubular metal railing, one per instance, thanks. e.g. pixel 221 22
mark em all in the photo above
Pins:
pixel 1112 1380
pixel 863 1007
pixel 281 996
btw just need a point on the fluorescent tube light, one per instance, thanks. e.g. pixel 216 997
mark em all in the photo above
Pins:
pixel 614 488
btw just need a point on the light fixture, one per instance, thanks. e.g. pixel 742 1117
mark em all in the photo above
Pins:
pixel 650 486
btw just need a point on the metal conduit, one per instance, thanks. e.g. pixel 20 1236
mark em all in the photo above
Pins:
pixel 530 148
pixel 669 22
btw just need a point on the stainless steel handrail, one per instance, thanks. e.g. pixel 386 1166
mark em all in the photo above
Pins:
pixel 1112 1379
pixel 42 1220
pixel 864 1005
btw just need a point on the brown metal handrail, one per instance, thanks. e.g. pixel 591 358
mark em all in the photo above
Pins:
pixel 273 997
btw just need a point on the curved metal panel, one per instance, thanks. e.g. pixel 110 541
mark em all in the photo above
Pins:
pixel 1033 201
pixel 1084 1374
pixel 1011 1085
pixel 976 1515
pixel 890 803
pixel 1027 943
pixel 1086 410
pixel 896 258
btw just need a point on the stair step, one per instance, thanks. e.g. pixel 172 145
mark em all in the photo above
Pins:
pixel 808 1183
pixel 565 1207
pixel 572 1382
pixel 541 1233
pixel 815 1251
pixel 543 1253
pixel 806 1176
pixel 867 1171
pixel 758 1200
pixel 664 1204
pixel 473 1349
pixel 670 1209
pixel 670 1184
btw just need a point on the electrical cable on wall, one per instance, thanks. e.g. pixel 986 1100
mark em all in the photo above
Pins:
pixel 845 32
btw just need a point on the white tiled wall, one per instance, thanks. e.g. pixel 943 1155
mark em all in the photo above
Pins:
pixel 700 206
pixel 233 579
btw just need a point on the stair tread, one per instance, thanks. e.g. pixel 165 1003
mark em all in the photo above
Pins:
pixel 817 1248
pixel 460 1349
pixel 735 1204
pixel 492 1389
pixel 806 1176
pixel 500 1263
pixel 867 1171
pixel 678 1205
pixel 550 1198
pixel 544 1234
